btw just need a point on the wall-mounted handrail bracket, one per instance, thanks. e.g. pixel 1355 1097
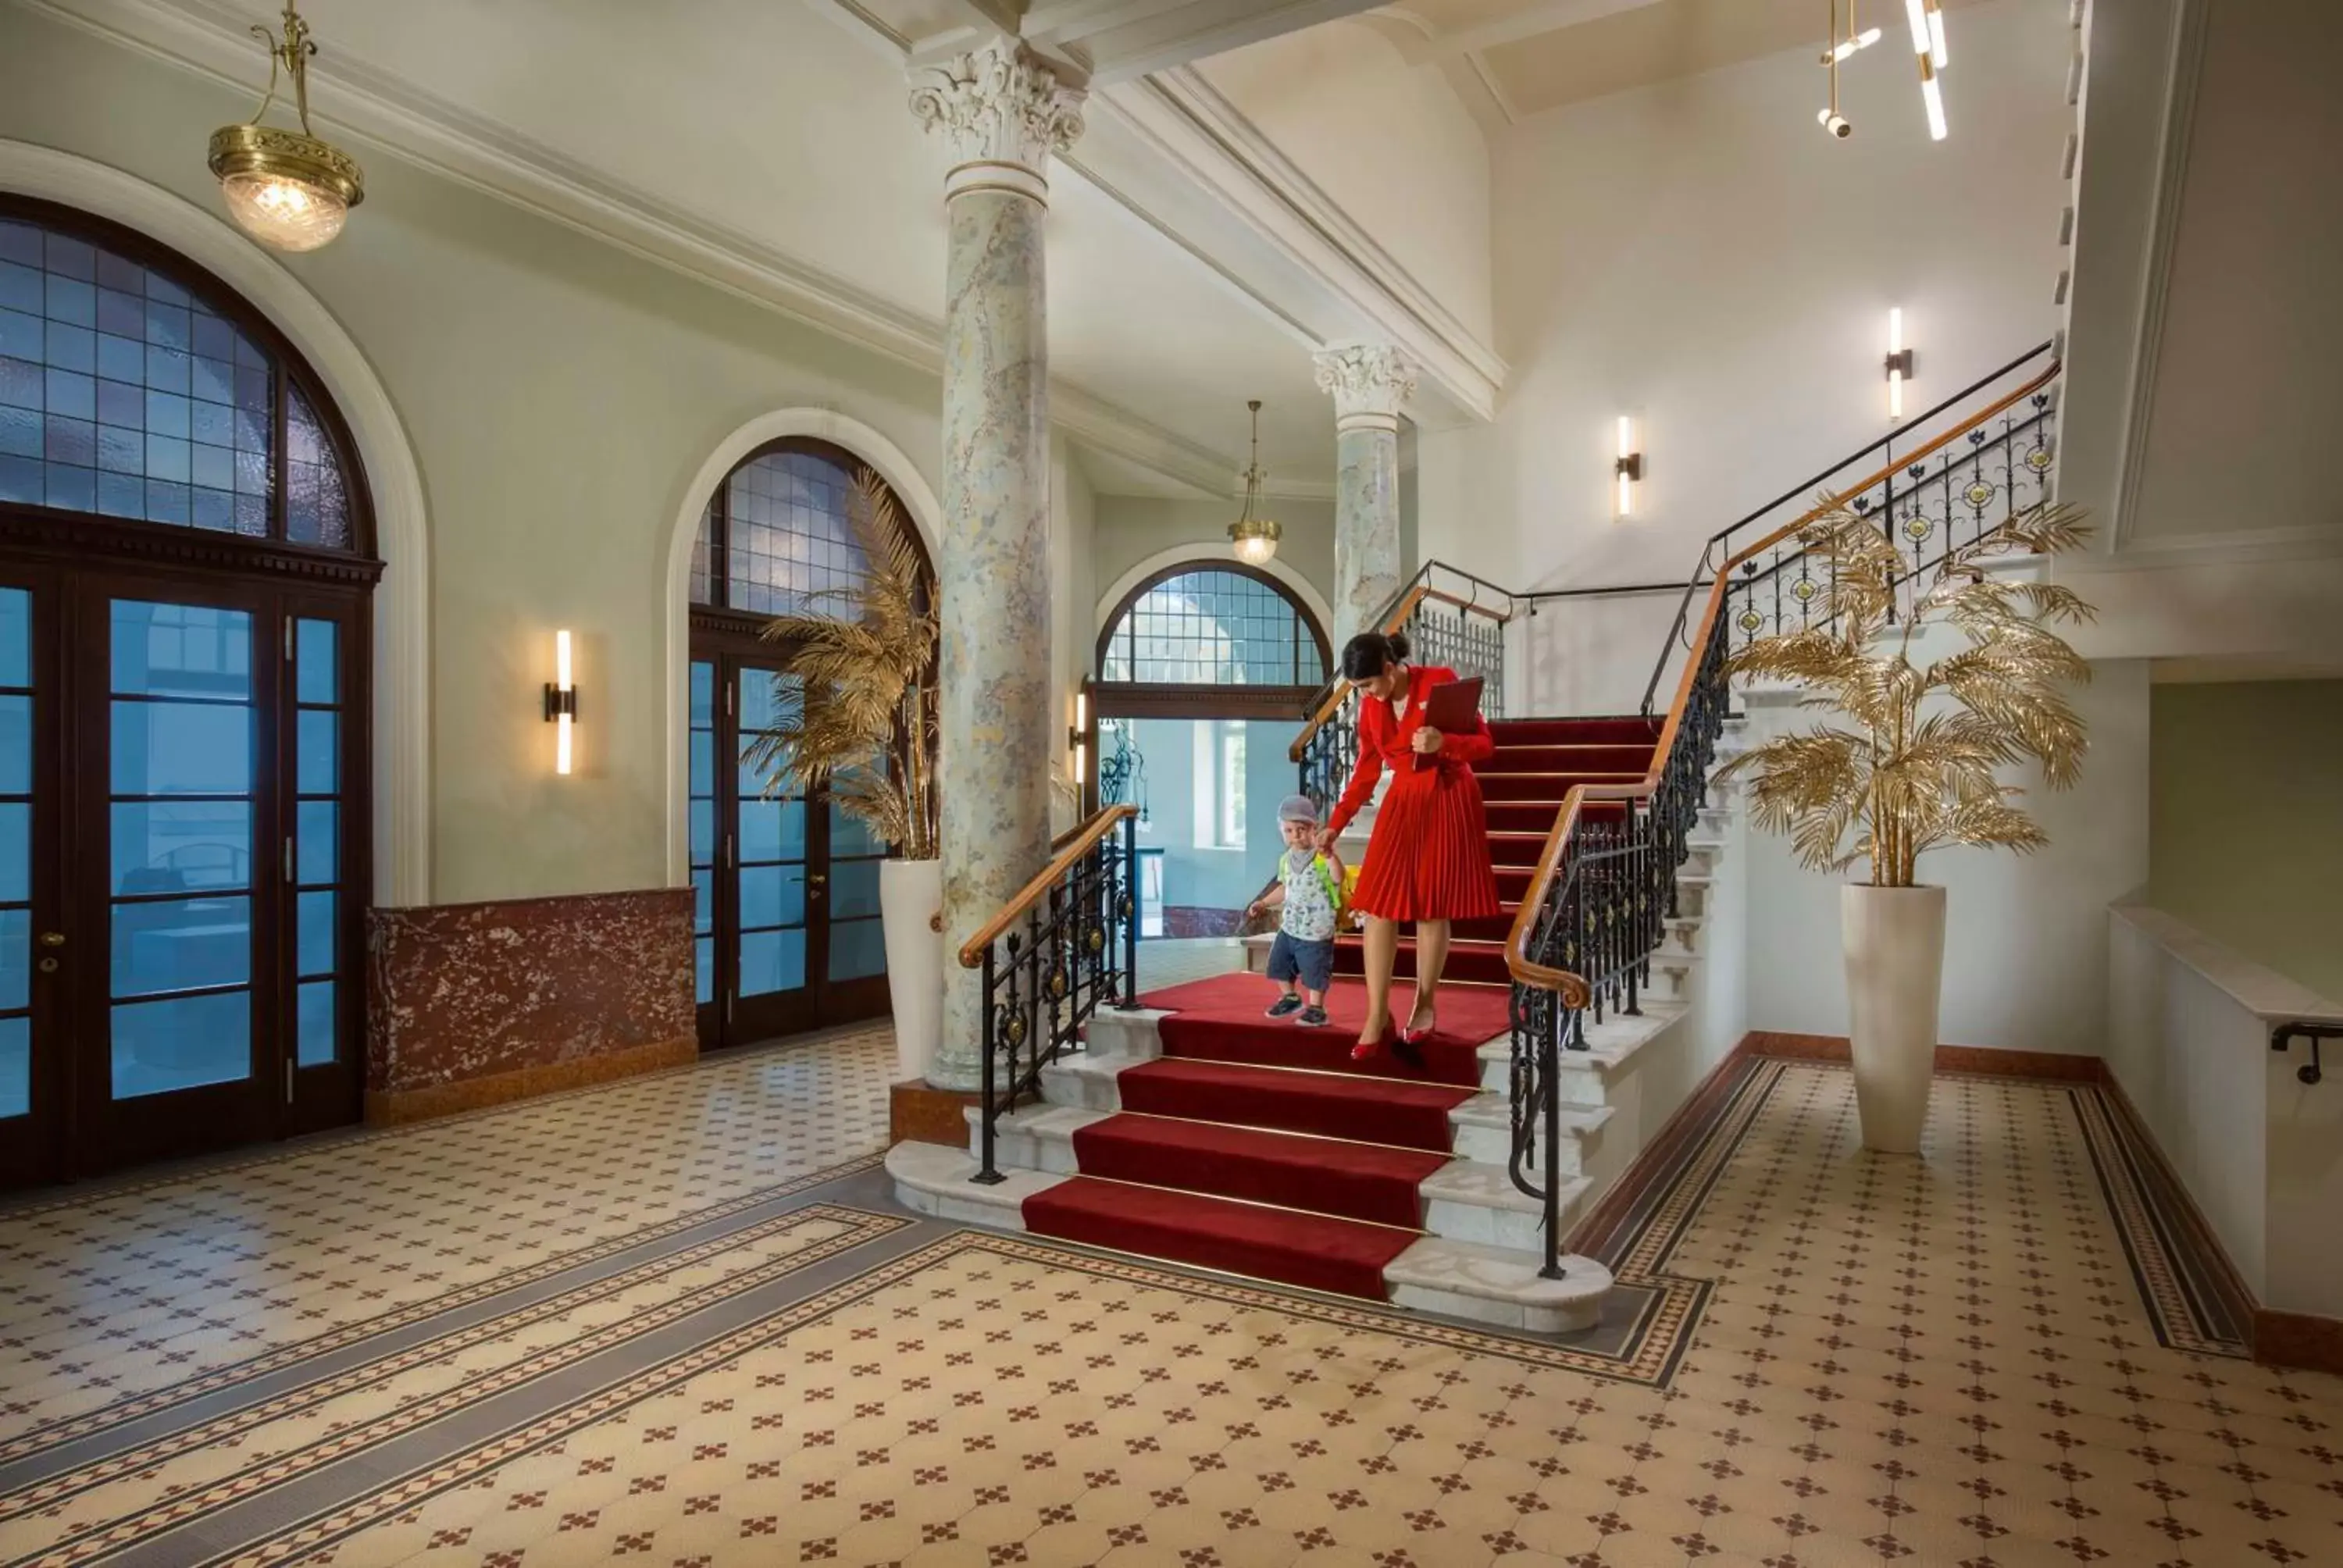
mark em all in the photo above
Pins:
pixel 2284 1036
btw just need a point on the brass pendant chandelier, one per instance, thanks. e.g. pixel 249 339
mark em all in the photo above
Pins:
pixel 1927 22
pixel 1254 537
pixel 289 189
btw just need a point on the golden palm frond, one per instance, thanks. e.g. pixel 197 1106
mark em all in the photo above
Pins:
pixel 1917 769
pixel 852 716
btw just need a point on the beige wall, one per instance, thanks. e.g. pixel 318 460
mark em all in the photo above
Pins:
pixel 559 396
pixel 2245 819
pixel 1128 529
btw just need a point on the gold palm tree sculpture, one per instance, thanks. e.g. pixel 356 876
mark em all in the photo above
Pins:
pixel 852 711
pixel 1917 769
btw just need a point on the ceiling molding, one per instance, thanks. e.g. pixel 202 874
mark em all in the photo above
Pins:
pixel 1534 21
pixel 2174 139
pixel 1188 121
pixel 381 108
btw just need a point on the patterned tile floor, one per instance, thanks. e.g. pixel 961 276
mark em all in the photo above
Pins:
pixel 1939 1362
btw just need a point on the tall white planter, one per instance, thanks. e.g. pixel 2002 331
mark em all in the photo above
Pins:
pixel 1895 941
pixel 911 892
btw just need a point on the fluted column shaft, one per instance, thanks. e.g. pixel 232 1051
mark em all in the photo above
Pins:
pixel 1003 112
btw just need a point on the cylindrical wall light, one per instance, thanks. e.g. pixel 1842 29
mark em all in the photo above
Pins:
pixel 1899 364
pixel 561 702
pixel 1079 736
pixel 1628 468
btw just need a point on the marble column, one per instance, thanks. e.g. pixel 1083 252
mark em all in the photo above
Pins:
pixel 1003 112
pixel 1370 381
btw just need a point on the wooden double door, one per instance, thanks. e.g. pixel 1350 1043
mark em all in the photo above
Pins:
pixel 183 865
pixel 786 931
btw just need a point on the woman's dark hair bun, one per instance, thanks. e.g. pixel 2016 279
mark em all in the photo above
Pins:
pixel 1371 653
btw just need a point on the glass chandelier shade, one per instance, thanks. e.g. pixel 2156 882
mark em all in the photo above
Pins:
pixel 291 190
pixel 1254 537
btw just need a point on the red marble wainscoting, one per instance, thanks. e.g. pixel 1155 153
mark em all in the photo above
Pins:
pixel 476 1004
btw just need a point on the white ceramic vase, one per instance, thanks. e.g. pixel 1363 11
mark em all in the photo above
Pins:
pixel 1895 941
pixel 911 892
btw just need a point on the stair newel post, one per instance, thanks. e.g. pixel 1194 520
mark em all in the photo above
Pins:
pixel 987 1171
pixel 1126 906
pixel 1550 1107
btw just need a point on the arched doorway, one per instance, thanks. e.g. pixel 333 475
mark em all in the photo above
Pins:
pixel 1204 668
pixel 787 933
pixel 186 564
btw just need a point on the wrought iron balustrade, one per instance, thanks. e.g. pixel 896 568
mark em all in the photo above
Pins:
pixel 1940 480
pixel 1597 911
pixel 1066 947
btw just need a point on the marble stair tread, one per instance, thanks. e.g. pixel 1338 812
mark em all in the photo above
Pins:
pixel 1491 1108
pixel 1044 1120
pixel 1497 1284
pixel 1488 1186
pixel 938 1179
pixel 1608 1043
pixel 1085 1080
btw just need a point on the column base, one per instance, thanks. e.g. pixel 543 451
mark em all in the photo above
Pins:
pixel 918 1112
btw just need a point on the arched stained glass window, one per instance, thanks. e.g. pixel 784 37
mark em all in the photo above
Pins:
pixel 777 532
pixel 1213 626
pixel 130 387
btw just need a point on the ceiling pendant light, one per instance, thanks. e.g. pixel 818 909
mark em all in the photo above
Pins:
pixel 1254 537
pixel 286 188
pixel 1834 51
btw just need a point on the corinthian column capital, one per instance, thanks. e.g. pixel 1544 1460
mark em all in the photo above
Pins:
pixel 1003 111
pixel 1370 381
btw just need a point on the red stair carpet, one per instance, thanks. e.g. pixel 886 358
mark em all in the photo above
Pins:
pixel 1259 1148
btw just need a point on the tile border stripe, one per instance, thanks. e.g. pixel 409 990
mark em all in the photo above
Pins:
pixel 66 1429
pixel 859 1227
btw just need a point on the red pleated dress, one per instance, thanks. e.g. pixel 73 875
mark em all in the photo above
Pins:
pixel 1428 856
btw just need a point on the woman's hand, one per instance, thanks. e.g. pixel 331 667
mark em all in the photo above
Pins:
pixel 1326 836
pixel 1427 740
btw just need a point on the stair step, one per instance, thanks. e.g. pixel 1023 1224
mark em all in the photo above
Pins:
pixel 1330 1105
pixel 1315 1251
pixel 1320 1175
pixel 1634 760
pixel 1543 786
pixel 1619 731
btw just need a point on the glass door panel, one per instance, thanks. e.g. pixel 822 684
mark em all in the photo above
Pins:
pixel 702 851
pixel 183 787
pixel 319 878
pixel 16 860
pixel 773 881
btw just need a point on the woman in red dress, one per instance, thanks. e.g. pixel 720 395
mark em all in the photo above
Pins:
pixel 1428 857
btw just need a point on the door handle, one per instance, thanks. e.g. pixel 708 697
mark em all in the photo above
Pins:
pixel 817 880
pixel 53 938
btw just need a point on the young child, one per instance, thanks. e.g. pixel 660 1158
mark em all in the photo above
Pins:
pixel 1309 892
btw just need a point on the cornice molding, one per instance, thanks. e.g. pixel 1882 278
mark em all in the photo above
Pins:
pixel 390 113
pixel 1188 121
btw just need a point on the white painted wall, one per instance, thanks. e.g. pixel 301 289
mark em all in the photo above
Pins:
pixel 2190 1023
pixel 1387 142
pixel 2026 951
pixel 1700 256
pixel 2192 1062
pixel 1130 529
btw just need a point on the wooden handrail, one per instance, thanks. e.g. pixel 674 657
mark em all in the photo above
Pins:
pixel 1077 844
pixel 1573 988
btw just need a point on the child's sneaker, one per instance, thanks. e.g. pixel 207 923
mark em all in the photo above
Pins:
pixel 1312 1017
pixel 1283 1005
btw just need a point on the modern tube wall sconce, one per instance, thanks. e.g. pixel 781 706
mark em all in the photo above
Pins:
pixel 1079 736
pixel 561 703
pixel 1899 364
pixel 1628 467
